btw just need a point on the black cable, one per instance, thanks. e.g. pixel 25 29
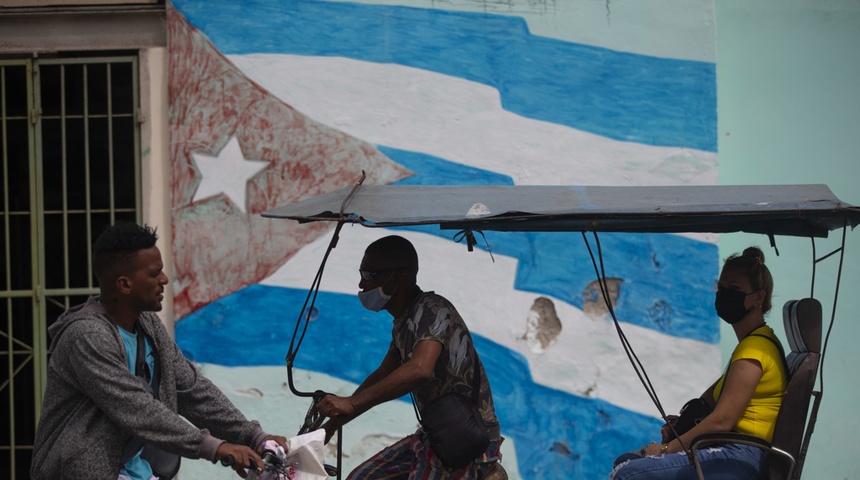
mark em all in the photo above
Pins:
pixel 304 319
pixel 833 310
pixel 814 263
pixel 628 349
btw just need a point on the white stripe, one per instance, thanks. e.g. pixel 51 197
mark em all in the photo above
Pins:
pixel 463 121
pixel 587 358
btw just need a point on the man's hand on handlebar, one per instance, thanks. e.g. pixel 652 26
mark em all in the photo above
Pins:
pixel 238 457
pixel 333 406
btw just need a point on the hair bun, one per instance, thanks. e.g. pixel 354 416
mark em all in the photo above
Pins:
pixel 754 252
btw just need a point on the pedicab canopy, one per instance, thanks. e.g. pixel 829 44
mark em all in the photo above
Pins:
pixel 795 210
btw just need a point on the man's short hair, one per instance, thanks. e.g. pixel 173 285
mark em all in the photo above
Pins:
pixel 119 242
pixel 396 248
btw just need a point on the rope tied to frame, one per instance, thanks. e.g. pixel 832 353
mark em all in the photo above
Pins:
pixel 468 235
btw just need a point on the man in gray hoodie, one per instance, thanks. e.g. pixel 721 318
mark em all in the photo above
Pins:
pixel 103 401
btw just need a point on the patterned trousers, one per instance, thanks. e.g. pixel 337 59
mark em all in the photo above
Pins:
pixel 411 458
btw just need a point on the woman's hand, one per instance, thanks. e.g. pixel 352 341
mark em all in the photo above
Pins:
pixel 666 430
pixel 653 449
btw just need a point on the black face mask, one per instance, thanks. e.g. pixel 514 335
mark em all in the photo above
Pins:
pixel 730 305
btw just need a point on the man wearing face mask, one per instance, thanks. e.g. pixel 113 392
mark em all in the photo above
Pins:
pixel 745 399
pixel 431 353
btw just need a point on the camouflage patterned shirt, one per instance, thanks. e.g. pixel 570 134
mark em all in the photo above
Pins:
pixel 432 317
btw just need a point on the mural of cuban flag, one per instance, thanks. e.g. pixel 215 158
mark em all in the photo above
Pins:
pixel 273 101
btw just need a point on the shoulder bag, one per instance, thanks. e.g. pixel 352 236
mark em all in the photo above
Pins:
pixel 454 426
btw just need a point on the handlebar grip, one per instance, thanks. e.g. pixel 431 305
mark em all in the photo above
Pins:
pixel 227 460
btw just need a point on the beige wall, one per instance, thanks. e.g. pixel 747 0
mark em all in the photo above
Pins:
pixel 141 31
pixel 155 156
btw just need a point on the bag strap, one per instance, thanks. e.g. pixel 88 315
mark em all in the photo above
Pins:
pixel 476 381
pixel 141 369
pixel 476 385
pixel 781 354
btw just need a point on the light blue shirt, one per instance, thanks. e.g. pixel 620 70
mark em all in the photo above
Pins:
pixel 136 468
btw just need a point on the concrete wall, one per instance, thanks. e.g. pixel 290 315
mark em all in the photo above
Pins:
pixel 789 112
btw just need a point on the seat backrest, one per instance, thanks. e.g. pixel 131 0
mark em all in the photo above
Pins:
pixel 802 321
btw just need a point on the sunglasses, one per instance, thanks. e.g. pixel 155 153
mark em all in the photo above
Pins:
pixel 368 275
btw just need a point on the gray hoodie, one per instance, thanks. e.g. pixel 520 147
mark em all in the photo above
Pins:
pixel 93 404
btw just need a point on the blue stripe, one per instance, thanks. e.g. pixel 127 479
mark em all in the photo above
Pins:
pixel 431 170
pixel 623 96
pixel 668 280
pixel 557 435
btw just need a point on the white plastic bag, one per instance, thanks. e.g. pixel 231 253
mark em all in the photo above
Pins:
pixel 303 460
pixel 307 453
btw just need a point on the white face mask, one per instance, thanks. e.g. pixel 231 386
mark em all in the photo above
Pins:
pixel 374 300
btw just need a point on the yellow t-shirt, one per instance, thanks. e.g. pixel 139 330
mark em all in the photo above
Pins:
pixel 760 415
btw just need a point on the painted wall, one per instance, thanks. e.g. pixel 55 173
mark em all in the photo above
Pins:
pixel 786 77
pixel 294 98
pixel 789 112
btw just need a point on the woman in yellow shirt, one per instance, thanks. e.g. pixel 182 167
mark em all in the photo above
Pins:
pixel 746 399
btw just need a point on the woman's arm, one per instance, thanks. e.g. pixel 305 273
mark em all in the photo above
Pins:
pixel 741 381
pixel 708 395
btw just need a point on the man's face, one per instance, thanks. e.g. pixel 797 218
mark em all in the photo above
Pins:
pixel 377 270
pixel 147 280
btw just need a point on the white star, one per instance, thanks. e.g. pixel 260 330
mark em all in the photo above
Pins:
pixel 228 173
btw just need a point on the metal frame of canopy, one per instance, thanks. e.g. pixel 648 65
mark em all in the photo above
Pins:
pixel 793 210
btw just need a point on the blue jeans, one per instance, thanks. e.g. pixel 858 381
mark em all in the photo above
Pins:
pixel 729 461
